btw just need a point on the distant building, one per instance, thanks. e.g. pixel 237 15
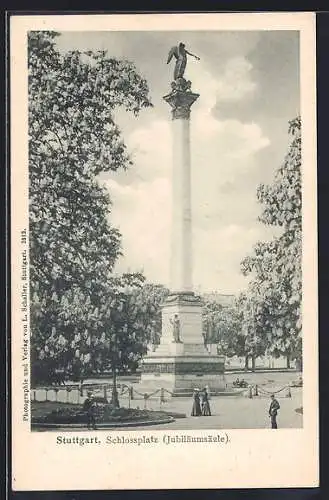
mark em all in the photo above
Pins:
pixel 224 300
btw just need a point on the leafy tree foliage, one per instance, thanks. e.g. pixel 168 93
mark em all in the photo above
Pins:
pixel 252 338
pixel 276 290
pixel 156 294
pixel 73 137
pixel 227 327
pixel 221 326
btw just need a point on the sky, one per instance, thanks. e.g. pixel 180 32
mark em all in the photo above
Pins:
pixel 248 83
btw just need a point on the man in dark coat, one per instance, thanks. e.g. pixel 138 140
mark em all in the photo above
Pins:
pixel 273 411
pixel 89 407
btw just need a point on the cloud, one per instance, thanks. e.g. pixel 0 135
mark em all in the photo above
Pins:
pixel 234 83
pixel 151 149
pixel 231 138
pixel 142 213
pixel 219 252
pixel 237 82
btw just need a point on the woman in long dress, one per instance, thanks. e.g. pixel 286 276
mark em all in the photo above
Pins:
pixel 196 408
pixel 205 403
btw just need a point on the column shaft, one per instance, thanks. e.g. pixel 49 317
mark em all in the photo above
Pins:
pixel 181 244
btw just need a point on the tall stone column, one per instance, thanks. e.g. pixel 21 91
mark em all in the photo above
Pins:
pixel 181 362
pixel 181 232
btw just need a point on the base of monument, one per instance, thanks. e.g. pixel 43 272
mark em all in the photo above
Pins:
pixel 180 375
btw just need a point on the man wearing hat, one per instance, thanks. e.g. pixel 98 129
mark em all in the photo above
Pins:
pixel 89 407
pixel 273 411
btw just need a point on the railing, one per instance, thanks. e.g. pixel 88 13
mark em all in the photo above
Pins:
pixel 258 390
pixel 76 393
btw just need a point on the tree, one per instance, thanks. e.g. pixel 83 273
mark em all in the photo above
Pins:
pixel 252 341
pixel 73 137
pixel 211 319
pixel 222 326
pixel 276 264
pixel 126 316
pixel 113 338
pixel 155 294
pixel 237 329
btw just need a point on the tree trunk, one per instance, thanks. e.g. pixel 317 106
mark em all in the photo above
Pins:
pixel 81 386
pixel 299 364
pixel 246 363
pixel 253 363
pixel 288 360
pixel 115 398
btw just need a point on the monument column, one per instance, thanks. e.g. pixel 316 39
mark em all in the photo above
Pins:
pixel 181 100
pixel 181 362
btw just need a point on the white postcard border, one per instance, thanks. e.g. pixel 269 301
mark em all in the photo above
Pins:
pixel 252 458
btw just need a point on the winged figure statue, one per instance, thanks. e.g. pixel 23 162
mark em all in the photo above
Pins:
pixel 180 54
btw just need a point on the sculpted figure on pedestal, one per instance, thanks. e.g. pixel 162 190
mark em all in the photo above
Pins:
pixel 176 329
pixel 180 54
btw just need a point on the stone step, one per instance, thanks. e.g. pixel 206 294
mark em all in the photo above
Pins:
pixel 168 350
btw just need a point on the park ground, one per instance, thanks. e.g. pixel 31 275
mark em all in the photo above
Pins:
pixel 231 412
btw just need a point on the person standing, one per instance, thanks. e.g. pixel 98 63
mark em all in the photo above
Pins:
pixel 273 411
pixel 176 329
pixel 196 408
pixel 205 403
pixel 89 407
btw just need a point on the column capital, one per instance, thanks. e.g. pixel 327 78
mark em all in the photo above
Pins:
pixel 181 99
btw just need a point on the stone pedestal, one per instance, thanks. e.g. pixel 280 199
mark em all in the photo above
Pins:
pixel 182 366
pixel 181 362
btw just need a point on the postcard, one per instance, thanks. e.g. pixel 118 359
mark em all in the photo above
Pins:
pixel 163 251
